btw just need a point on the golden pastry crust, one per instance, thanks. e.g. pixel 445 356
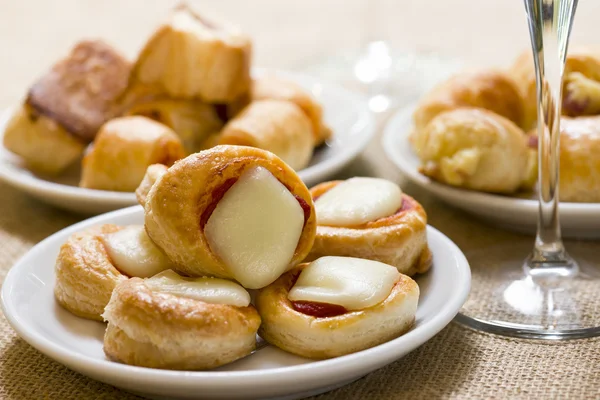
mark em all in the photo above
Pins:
pixel 192 56
pixel 43 144
pixel 124 149
pixel 490 90
pixel 277 126
pixel 81 92
pixel 399 240
pixel 85 275
pixel 476 149
pixel 160 330
pixel 329 337
pixel 177 201
pixel 153 173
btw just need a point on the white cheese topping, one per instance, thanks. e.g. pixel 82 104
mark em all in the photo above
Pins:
pixel 255 228
pixel 357 201
pixel 352 283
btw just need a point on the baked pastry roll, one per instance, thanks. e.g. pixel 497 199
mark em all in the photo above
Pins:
pixel 491 90
pixel 124 148
pixel 336 306
pixel 193 56
pixel 232 212
pixel 43 144
pixel 274 125
pixel 172 322
pixel 153 173
pixel 370 218
pixel 193 121
pixel 92 262
pixel 477 149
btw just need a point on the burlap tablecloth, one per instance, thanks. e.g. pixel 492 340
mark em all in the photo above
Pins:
pixel 457 363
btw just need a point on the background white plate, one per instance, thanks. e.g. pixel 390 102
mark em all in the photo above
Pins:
pixel 28 304
pixel 580 220
pixel 345 112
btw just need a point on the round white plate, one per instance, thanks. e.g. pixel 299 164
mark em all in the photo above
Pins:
pixel 28 304
pixel 581 220
pixel 346 113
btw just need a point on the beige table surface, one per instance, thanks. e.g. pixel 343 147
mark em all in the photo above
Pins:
pixel 457 363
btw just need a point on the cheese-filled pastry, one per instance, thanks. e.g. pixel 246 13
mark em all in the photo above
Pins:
pixel 477 149
pixel 233 212
pixel 277 126
pixel 92 262
pixel 335 306
pixel 174 322
pixel 153 173
pixel 124 149
pixel 491 90
pixel 193 56
pixel 193 121
pixel 371 218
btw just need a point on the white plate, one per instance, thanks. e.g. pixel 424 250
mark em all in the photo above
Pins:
pixel 28 304
pixel 345 112
pixel 581 220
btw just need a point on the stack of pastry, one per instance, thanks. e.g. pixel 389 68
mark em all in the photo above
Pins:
pixel 328 264
pixel 476 130
pixel 189 89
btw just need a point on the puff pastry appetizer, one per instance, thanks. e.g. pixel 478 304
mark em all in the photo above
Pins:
pixel 91 263
pixel 153 173
pixel 491 90
pixel 336 306
pixel 172 322
pixel 371 218
pixel 192 56
pixel 274 125
pixel 123 150
pixel 477 149
pixel 233 212
pixel 193 121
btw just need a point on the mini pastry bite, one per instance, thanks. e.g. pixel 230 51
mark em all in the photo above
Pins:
pixel 370 218
pixel 490 90
pixel 122 151
pixel 153 173
pixel 91 263
pixel 233 212
pixel 477 149
pixel 193 121
pixel 335 306
pixel 172 322
pixel 277 126
pixel 193 56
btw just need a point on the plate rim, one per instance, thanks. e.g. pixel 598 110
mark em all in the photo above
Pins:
pixel 344 365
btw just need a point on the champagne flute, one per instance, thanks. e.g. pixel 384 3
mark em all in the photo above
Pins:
pixel 549 295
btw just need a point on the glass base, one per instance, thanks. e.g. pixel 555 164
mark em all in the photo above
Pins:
pixel 521 298
pixel 388 77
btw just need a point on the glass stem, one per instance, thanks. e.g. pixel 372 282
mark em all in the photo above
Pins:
pixel 550 23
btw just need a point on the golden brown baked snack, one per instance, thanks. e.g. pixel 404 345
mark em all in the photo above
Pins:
pixel 122 151
pixel 43 144
pixel 152 324
pixel 193 56
pixel 232 212
pixel 379 304
pixel 153 173
pixel 491 90
pixel 193 121
pixel 476 149
pixel 396 235
pixel 277 126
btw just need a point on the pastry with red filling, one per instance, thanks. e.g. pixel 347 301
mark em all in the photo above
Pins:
pixel 371 218
pixel 232 212
pixel 335 306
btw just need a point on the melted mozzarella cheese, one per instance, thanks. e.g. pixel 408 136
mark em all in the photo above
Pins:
pixel 255 228
pixel 357 201
pixel 209 290
pixel 134 253
pixel 353 283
